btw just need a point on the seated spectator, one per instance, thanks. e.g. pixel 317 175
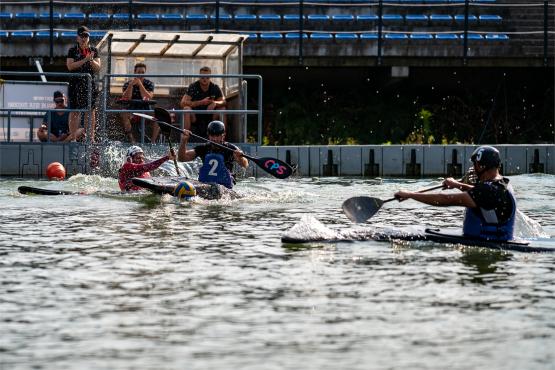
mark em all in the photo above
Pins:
pixel 59 123
pixel 202 95
pixel 138 91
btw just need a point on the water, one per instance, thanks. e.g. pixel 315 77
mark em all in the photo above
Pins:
pixel 145 282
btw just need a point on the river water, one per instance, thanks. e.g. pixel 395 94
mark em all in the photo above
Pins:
pixel 146 282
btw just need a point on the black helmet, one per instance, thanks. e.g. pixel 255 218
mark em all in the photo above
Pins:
pixel 215 128
pixel 486 156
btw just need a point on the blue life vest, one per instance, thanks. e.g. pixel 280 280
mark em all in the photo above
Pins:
pixel 483 223
pixel 213 170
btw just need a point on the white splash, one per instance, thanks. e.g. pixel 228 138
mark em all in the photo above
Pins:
pixel 309 228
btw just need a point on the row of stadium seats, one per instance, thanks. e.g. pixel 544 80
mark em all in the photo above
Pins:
pixel 294 35
pixel 270 17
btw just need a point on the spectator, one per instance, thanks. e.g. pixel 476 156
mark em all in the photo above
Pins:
pixel 82 58
pixel 135 90
pixel 202 95
pixel 59 127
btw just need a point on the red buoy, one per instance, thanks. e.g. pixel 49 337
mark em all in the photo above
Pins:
pixel 55 171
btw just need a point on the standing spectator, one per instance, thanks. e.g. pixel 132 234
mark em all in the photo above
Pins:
pixel 202 95
pixel 82 58
pixel 59 127
pixel 139 88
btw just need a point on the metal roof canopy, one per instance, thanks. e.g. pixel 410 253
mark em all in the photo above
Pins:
pixel 179 53
pixel 170 44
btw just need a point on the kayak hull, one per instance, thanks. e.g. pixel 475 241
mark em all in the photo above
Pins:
pixel 450 237
pixel 166 185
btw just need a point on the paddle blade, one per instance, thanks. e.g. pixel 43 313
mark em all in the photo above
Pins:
pixel 360 209
pixel 273 166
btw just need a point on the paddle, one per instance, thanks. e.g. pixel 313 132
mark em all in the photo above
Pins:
pixel 163 115
pixel 360 209
pixel 273 166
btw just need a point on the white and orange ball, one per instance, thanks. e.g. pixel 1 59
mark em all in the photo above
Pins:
pixel 56 171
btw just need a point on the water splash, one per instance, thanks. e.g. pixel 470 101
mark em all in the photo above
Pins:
pixel 525 227
pixel 309 228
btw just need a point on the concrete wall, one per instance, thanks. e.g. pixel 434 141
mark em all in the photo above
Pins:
pixel 31 159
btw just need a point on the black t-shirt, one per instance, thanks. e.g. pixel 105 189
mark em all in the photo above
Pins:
pixel 58 123
pixel 136 94
pixel 203 149
pixel 494 195
pixel 196 93
pixel 76 53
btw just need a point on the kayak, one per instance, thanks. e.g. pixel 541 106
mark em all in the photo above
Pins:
pixel 317 232
pixel 166 185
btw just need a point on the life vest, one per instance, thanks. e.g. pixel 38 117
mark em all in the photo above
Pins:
pixel 483 223
pixel 213 170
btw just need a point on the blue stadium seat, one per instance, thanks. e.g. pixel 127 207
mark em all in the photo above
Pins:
pixel 474 36
pixel 318 17
pixel 271 36
pixel 295 35
pixel 223 17
pixel 69 34
pixel 196 17
pixel 5 16
pixel 421 36
pixel 490 18
pixel 392 18
pixel 396 36
pixel 441 18
pixel 45 34
pixel 25 16
pixel 342 17
pixel 447 36
pixel 346 36
pixel 22 34
pixel 460 18
pixel 121 16
pixel 252 36
pixel 369 36
pixel 496 37
pixel 321 36
pixel 245 17
pixel 172 17
pixel 4 34
pixel 269 17
pixel 416 18
pixel 46 16
pixel 97 34
pixel 367 18
pixel 147 17
pixel 74 16
pixel 291 17
pixel 99 17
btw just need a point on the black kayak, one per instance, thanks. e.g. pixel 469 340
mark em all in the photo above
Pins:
pixel 166 185
pixel 451 237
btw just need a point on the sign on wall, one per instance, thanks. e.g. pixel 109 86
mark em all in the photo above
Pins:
pixel 35 96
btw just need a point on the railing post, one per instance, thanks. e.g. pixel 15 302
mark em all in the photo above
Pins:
pixel 130 19
pixel 545 31
pixel 301 25
pixel 51 38
pixel 217 21
pixel 465 41
pixel 380 29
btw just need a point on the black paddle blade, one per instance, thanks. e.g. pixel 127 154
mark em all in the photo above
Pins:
pixel 39 191
pixel 360 209
pixel 273 166
pixel 163 115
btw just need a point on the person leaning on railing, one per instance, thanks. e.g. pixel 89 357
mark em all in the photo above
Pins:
pixel 59 123
pixel 202 95
pixel 138 88
pixel 82 58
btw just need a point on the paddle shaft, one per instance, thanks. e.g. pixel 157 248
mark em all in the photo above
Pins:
pixel 174 158
pixel 420 191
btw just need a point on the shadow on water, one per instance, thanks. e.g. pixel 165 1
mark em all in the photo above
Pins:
pixel 484 264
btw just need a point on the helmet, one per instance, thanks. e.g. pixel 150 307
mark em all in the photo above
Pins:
pixel 215 128
pixel 184 190
pixel 486 156
pixel 133 150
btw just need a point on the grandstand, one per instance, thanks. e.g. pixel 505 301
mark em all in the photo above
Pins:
pixel 340 32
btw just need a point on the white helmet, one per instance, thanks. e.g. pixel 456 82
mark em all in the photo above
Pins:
pixel 133 150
